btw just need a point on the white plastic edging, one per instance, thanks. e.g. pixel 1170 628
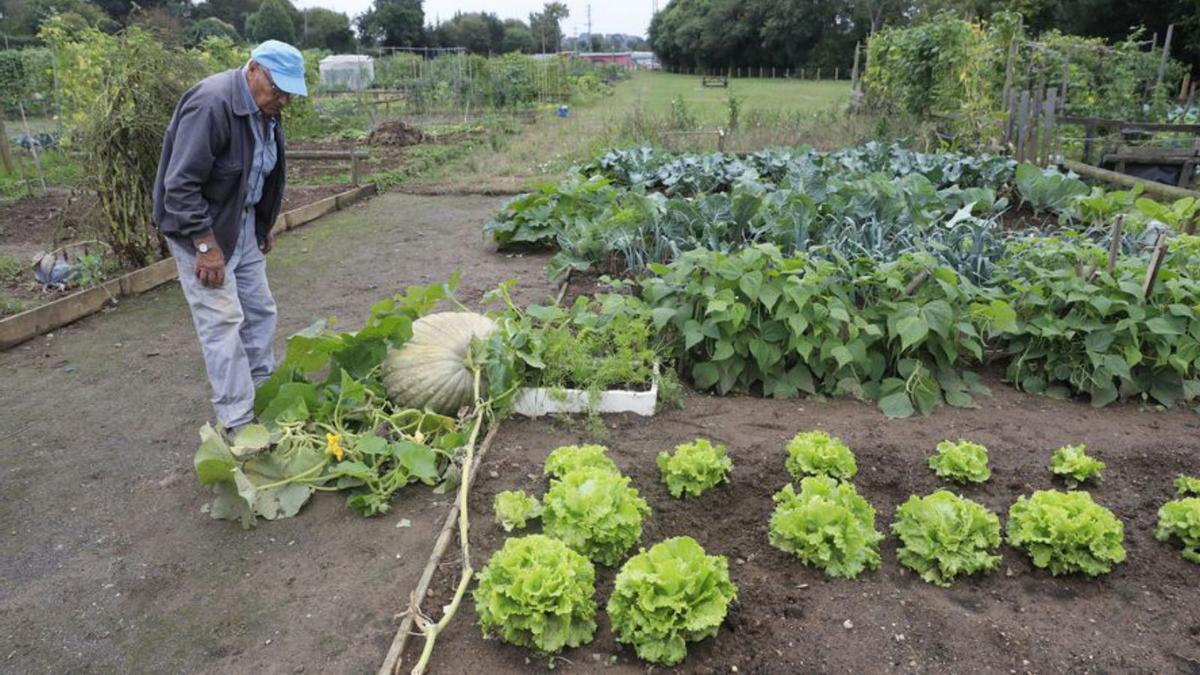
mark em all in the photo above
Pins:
pixel 540 401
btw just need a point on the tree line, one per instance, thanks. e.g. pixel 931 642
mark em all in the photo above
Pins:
pixel 822 33
pixel 387 23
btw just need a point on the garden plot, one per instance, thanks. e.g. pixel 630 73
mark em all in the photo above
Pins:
pixel 791 617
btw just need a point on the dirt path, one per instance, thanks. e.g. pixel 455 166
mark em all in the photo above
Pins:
pixel 1143 617
pixel 109 564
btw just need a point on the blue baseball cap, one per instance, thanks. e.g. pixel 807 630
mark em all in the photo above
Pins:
pixel 285 63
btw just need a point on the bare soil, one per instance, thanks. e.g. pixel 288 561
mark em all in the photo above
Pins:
pixel 109 565
pixel 396 133
pixel 1144 617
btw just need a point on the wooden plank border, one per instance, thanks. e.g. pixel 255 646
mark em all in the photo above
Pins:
pixel 1151 187
pixel 40 320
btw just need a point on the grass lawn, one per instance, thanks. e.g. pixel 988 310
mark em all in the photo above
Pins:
pixel 655 91
pixel 775 112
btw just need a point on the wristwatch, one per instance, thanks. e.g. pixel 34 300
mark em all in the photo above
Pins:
pixel 203 247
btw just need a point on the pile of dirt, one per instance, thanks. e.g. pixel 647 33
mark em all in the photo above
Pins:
pixel 397 133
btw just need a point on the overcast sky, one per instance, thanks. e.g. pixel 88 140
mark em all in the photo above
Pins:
pixel 611 16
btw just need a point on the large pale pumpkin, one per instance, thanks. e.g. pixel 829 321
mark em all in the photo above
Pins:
pixel 430 370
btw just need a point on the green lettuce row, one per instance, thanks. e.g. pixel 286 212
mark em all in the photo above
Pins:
pixel 536 592
pixel 816 453
pixel 828 525
pixel 668 596
pixel 595 512
pixel 694 467
pixel 1066 532
pixel 943 535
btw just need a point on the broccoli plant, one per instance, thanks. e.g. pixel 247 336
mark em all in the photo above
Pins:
pixel 1181 519
pixel 514 507
pixel 961 461
pixel 694 468
pixel 570 457
pixel 537 593
pixel 816 453
pixel 1066 532
pixel 944 535
pixel 595 512
pixel 1072 463
pixel 828 525
pixel 668 596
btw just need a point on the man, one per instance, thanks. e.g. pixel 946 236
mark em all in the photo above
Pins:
pixel 219 187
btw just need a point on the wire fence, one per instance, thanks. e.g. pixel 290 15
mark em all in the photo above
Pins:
pixel 30 113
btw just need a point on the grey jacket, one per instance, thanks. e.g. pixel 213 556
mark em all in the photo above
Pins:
pixel 206 156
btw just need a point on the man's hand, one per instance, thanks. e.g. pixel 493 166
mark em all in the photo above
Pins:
pixel 210 267
pixel 268 243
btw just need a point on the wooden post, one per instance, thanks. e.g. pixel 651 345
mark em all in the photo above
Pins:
pixel 1156 258
pixel 1114 244
pixel 801 73
pixel 1089 131
pixel 836 73
pixel 1008 74
pixel 5 151
pixel 1048 126
pixel 854 71
pixel 354 175
pixel 1022 121
pixel 1162 64
pixel 1062 99
pixel 1010 127
pixel 1184 86
pixel 818 74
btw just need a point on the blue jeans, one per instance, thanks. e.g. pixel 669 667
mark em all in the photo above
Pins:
pixel 235 324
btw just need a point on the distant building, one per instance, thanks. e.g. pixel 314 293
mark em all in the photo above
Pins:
pixel 346 72
pixel 646 61
pixel 623 59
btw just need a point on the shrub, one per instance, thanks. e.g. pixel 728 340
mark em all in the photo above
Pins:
pixel 962 461
pixel 1181 519
pixel 694 468
pixel 945 535
pixel 514 507
pixel 1066 532
pixel 828 525
pixel 535 592
pixel 1073 463
pixel 595 512
pixel 816 453
pixel 668 596
pixel 568 458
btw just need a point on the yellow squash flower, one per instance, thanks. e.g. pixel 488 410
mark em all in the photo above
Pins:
pixel 333 446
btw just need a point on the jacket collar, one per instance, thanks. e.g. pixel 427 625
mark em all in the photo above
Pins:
pixel 241 106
